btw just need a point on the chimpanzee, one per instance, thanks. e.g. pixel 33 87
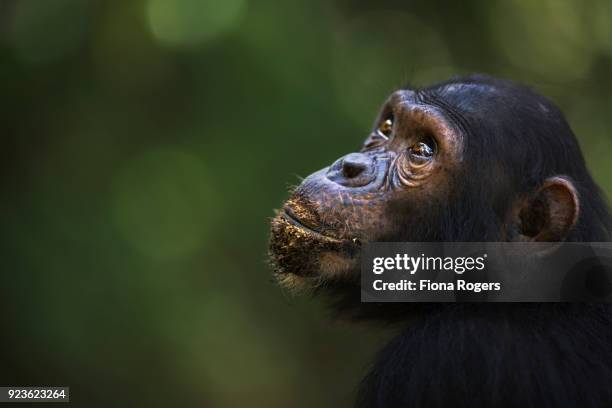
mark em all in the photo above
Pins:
pixel 470 159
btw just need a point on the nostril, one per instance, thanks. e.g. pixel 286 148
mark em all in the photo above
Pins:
pixel 354 164
pixel 353 170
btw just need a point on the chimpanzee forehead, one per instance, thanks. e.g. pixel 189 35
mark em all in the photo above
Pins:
pixel 462 89
pixel 465 96
pixel 482 94
pixel 455 95
pixel 478 105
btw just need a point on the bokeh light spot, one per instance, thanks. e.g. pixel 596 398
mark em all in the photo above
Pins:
pixel 147 71
pixel 599 15
pixel 43 31
pixel 162 204
pixel 192 22
pixel 549 38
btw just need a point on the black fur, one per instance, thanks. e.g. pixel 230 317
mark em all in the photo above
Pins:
pixel 495 355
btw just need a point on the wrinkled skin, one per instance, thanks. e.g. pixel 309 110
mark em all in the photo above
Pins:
pixel 321 226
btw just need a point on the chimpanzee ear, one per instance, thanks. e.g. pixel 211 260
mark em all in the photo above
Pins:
pixel 550 214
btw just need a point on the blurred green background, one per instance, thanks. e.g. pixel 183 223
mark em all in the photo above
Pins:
pixel 146 143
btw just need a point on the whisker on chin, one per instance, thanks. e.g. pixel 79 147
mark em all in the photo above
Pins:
pixel 291 187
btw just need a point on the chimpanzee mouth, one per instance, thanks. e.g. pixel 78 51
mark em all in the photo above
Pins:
pixel 302 250
pixel 289 215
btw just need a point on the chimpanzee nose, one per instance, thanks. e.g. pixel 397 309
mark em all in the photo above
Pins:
pixel 354 164
pixel 352 170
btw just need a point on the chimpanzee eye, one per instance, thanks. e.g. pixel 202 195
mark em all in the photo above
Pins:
pixel 385 128
pixel 381 135
pixel 423 151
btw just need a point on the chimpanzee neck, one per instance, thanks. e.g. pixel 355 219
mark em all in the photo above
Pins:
pixel 497 355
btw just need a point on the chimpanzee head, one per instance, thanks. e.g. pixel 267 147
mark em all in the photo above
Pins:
pixel 470 159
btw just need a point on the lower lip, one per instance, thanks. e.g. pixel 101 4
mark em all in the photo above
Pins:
pixel 293 220
pixel 291 217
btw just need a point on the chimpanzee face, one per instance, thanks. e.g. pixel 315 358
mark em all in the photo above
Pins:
pixel 412 150
pixel 434 167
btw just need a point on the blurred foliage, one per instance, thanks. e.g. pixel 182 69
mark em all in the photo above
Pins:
pixel 147 142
